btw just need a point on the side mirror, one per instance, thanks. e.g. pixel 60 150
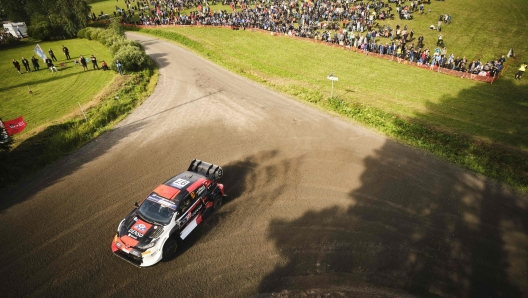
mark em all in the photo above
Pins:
pixel 136 204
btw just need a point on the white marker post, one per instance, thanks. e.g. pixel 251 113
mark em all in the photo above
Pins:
pixel 332 78
pixel 82 111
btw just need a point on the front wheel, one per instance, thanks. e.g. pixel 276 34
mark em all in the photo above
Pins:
pixel 169 249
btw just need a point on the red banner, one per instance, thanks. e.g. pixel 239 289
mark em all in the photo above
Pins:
pixel 15 126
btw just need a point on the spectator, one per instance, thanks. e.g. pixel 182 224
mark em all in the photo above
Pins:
pixel 104 66
pixel 66 52
pixel 16 65
pixel 440 41
pixel 25 62
pixel 119 67
pixel 52 56
pixel 35 62
pixel 94 62
pixel 50 65
pixel 82 60
pixel 521 71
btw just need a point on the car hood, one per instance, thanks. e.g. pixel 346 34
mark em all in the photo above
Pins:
pixel 135 232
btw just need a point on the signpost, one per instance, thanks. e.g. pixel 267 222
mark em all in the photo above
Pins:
pixel 332 78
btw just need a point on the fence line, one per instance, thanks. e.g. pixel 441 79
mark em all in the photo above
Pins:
pixel 447 71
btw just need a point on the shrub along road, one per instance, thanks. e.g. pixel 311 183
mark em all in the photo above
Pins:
pixel 316 204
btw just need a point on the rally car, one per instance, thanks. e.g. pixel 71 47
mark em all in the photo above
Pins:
pixel 152 231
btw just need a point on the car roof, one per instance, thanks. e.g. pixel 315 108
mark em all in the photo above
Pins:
pixel 180 185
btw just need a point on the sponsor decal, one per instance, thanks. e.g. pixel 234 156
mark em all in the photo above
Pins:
pixel 133 233
pixel 140 227
pixel 200 190
pixel 163 202
pixel 179 183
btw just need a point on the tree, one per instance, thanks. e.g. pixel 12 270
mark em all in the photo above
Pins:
pixel 65 17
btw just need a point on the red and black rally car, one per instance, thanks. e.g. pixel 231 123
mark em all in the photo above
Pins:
pixel 152 230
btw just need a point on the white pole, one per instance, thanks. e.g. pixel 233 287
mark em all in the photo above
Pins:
pixel 332 92
pixel 82 111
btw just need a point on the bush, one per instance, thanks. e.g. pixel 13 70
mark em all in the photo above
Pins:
pixel 41 30
pixel 94 33
pixel 108 38
pixel 82 33
pixel 131 53
pixel 124 42
pixel 132 58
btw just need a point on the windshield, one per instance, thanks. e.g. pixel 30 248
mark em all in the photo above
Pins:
pixel 157 209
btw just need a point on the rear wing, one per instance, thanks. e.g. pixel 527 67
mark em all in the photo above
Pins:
pixel 209 170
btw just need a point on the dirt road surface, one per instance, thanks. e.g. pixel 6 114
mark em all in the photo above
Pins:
pixel 316 205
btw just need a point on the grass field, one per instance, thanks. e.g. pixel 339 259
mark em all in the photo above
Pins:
pixel 55 95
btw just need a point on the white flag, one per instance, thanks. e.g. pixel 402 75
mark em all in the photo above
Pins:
pixel 40 53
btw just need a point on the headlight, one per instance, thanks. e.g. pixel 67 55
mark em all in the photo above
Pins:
pixel 119 226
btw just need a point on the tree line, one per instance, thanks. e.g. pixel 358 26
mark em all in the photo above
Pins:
pixel 47 19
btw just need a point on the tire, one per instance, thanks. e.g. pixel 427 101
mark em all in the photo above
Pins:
pixel 217 201
pixel 169 248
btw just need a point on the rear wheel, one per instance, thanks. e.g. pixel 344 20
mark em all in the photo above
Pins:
pixel 217 201
pixel 169 249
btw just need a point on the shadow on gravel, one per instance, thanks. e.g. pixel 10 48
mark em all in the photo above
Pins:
pixel 162 62
pixel 239 178
pixel 27 162
pixel 407 233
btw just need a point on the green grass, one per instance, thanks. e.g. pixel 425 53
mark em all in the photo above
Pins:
pixel 107 7
pixel 55 125
pixel 54 94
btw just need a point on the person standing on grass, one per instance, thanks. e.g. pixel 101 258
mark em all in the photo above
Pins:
pixel 521 71
pixel 119 67
pixel 94 62
pixel 440 41
pixel 66 52
pixel 52 56
pixel 16 65
pixel 82 60
pixel 26 64
pixel 36 65
pixel 50 65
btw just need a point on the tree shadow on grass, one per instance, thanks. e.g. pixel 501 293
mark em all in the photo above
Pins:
pixel 52 78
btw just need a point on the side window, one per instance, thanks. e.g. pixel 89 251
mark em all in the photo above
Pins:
pixel 184 205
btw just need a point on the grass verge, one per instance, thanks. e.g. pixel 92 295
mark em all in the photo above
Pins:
pixel 59 139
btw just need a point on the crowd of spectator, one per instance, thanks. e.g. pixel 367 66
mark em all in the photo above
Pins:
pixel 347 23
